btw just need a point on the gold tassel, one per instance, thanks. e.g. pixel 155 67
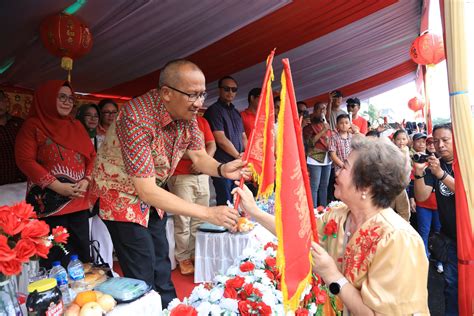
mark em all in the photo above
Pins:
pixel 66 64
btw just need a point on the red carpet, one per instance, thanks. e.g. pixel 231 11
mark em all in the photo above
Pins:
pixel 184 284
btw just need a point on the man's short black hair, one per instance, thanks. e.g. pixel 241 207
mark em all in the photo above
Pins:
pixel 219 83
pixel 302 102
pixel 255 92
pixel 337 94
pixel 447 126
pixel 342 116
pixel 373 133
pixel 353 101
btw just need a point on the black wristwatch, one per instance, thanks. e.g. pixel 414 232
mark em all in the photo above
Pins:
pixel 335 287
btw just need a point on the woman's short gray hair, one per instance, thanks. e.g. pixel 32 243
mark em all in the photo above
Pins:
pixel 380 167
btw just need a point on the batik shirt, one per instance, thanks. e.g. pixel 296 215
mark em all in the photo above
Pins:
pixel 384 259
pixel 143 142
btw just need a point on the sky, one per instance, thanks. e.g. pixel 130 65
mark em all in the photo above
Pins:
pixel 440 92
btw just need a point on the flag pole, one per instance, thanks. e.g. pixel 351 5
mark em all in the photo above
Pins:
pixel 252 136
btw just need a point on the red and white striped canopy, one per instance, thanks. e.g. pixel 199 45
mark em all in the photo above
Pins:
pixel 359 46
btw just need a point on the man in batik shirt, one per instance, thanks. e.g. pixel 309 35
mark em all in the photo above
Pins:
pixel 138 156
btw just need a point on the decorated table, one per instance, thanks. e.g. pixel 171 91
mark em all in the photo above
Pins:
pixel 216 252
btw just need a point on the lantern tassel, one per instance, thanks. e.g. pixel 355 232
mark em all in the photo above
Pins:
pixel 66 64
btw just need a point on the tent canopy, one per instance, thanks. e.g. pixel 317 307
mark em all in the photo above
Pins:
pixel 361 46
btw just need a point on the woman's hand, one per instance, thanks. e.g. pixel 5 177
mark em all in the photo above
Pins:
pixel 247 201
pixel 82 185
pixel 69 190
pixel 323 264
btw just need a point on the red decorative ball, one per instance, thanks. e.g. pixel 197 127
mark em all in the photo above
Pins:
pixel 65 35
pixel 427 49
pixel 416 104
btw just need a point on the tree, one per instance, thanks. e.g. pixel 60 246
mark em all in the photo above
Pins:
pixel 373 114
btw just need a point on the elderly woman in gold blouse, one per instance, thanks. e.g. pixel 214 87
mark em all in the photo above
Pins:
pixel 377 263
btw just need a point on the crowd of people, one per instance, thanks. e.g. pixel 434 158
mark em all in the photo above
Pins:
pixel 113 174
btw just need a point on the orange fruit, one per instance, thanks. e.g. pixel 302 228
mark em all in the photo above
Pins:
pixel 85 297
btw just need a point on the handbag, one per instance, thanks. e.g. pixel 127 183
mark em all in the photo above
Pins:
pixel 45 201
pixel 438 246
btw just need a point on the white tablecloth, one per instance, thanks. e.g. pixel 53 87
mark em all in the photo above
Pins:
pixel 150 304
pixel 12 193
pixel 216 252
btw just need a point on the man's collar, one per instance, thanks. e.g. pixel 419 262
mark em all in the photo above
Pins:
pixel 164 117
pixel 224 104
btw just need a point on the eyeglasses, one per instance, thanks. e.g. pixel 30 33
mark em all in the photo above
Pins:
pixel 227 89
pixel 192 97
pixel 64 97
pixel 108 112
pixel 91 116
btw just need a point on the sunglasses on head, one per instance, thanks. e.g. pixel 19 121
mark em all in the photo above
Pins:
pixel 227 89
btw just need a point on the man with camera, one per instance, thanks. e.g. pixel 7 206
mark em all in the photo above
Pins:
pixel 438 173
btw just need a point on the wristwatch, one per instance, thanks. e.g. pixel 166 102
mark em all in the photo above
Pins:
pixel 335 287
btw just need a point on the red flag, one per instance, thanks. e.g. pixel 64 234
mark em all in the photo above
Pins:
pixel 260 153
pixel 295 222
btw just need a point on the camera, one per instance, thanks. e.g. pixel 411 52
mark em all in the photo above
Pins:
pixel 420 157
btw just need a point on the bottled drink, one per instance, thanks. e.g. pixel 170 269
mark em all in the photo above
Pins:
pixel 60 274
pixel 76 274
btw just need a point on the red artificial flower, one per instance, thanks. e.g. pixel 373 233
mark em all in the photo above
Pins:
pixel 11 267
pixel 270 274
pixel 245 308
pixel 25 249
pixel 330 229
pixel 248 290
pixel 321 297
pixel 235 283
pixel 35 229
pixel 6 253
pixel 23 210
pixel 42 247
pixel 247 266
pixel 10 223
pixel 230 292
pixel 270 262
pixel 302 312
pixel 320 209
pixel 263 309
pixel 60 234
pixel 183 310
pixel 270 245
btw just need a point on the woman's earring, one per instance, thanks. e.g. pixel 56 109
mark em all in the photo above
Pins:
pixel 364 195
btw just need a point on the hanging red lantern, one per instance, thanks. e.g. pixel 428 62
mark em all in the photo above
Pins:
pixel 416 104
pixel 66 36
pixel 427 49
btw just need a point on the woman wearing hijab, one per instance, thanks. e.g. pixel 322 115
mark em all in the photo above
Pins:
pixel 55 153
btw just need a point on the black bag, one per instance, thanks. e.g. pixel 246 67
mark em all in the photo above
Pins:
pixel 46 201
pixel 438 246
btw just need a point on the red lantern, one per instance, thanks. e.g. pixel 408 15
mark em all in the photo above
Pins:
pixel 66 36
pixel 427 49
pixel 416 104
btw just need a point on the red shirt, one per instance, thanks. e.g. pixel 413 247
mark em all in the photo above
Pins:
pixel 184 166
pixel 248 118
pixel 42 160
pixel 361 123
pixel 143 142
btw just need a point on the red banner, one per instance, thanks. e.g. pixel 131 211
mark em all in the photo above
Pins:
pixel 295 221
pixel 260 153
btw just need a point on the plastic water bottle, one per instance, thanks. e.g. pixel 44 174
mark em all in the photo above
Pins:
pixel 76 274
pixel 60 274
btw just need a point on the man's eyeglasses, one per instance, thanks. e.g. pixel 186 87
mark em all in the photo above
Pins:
pixel 227 89
pixel 192 97
pixel 64 97
pixel 108 112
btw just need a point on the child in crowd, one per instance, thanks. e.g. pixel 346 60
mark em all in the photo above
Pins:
pixel 401 139
pixel 340 143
